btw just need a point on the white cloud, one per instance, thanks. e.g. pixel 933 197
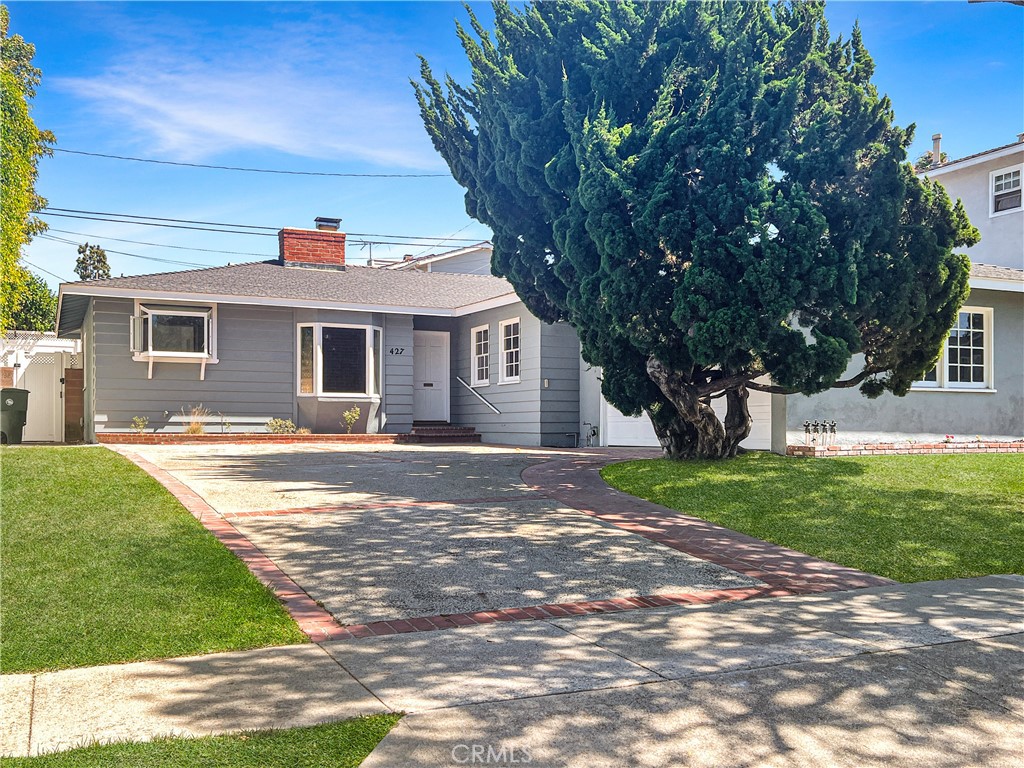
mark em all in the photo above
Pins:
pixel 311 89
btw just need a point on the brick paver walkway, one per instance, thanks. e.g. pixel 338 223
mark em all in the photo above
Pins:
pixel 574 482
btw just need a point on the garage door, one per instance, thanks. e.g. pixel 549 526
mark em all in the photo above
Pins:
pixel 619 430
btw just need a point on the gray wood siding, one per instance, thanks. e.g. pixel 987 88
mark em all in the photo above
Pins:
pixel 253 381
pixel 519 422
pixel 560 385
pixel 398 373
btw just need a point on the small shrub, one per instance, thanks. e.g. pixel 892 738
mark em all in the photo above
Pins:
pixel 195 417
pixel 350 417
pixel 281 427
pixel 139 423
pixel 303 431
pixel 225 425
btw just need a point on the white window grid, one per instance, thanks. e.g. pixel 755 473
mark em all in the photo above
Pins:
pixel 1005 187
pixel 509 333
pixel 480 354
pixel 966 360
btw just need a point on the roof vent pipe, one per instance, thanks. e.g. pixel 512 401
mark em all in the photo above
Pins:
pixel 327 225
pixel 936 149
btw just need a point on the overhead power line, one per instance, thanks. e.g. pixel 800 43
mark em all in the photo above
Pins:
pixel 253 226
pixel 160 245
pixel 133 255
pixel 154 224
pixel 51 274
pixel 160 218
pixel 256 170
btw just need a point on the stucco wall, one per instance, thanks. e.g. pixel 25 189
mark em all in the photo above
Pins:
pixel 936 411
pixel 1002 237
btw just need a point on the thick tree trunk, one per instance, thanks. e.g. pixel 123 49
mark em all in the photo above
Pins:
pixel 695 431
pixel 678 439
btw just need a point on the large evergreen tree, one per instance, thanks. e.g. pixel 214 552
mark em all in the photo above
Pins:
pixel 712 194
pixel 22 146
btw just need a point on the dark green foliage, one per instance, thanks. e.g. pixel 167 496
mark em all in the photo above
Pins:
pixel 709 193
pixel 37 306
pixel 91 263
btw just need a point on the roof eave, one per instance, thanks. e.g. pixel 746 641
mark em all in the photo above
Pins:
pixel 220 298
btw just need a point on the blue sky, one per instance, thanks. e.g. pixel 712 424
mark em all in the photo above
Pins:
pixel 324 87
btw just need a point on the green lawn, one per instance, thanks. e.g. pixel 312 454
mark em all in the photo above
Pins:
pixel 100 564
pixel 910 518
pixel 336 745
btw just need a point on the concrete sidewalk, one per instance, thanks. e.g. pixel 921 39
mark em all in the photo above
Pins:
pixel 923 674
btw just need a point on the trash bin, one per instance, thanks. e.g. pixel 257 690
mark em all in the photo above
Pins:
pixel 13 410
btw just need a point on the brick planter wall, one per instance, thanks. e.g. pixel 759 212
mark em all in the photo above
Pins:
pixel 899 449
pixel 150 438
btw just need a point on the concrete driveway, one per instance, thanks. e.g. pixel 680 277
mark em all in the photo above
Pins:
pixel 391 532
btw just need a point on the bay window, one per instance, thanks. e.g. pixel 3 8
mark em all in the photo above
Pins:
pixel 180 333
pixel 339 360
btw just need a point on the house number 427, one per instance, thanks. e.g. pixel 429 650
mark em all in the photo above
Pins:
pixel 396 351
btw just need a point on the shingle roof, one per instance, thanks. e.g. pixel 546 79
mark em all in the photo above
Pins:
pixel 353 285
pixel 992 272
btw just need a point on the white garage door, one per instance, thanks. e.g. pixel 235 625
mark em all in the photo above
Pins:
pixel 619 430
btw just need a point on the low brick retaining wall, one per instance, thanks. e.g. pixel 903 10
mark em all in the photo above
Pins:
pixel 149 438
pixel 899 449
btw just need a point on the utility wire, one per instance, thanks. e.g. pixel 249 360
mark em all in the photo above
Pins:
pixel 161 245
pixel 251 226
pixel 133 255
pixel 257 170
pixel 155 224
pixel 160 218
pixel 51 274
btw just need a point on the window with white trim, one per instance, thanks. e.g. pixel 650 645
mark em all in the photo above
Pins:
pixel 169 331
pixel 337 360
pixel 966 360
pixel 509 334
pixel 481 355
pixel 1005 191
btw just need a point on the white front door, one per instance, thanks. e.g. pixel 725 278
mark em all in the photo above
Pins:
pixel 431 376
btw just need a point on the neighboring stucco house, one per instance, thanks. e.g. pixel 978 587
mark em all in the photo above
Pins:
pixel 978 385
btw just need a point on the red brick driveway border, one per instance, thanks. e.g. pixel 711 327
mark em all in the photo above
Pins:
pixel 575 482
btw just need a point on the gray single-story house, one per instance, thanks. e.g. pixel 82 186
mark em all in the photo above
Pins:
pixel 307 337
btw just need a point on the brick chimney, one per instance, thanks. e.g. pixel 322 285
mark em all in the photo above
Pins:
pixel 936 149
pixel 320 248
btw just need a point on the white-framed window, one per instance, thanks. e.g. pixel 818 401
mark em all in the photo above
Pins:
pixel 480 355
pixel 174 332
pixel 509 335
pixel 966 360
pixel 1005 189
pixel 339 360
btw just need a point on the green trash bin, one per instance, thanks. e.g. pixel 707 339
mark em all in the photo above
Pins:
pixel 13 410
